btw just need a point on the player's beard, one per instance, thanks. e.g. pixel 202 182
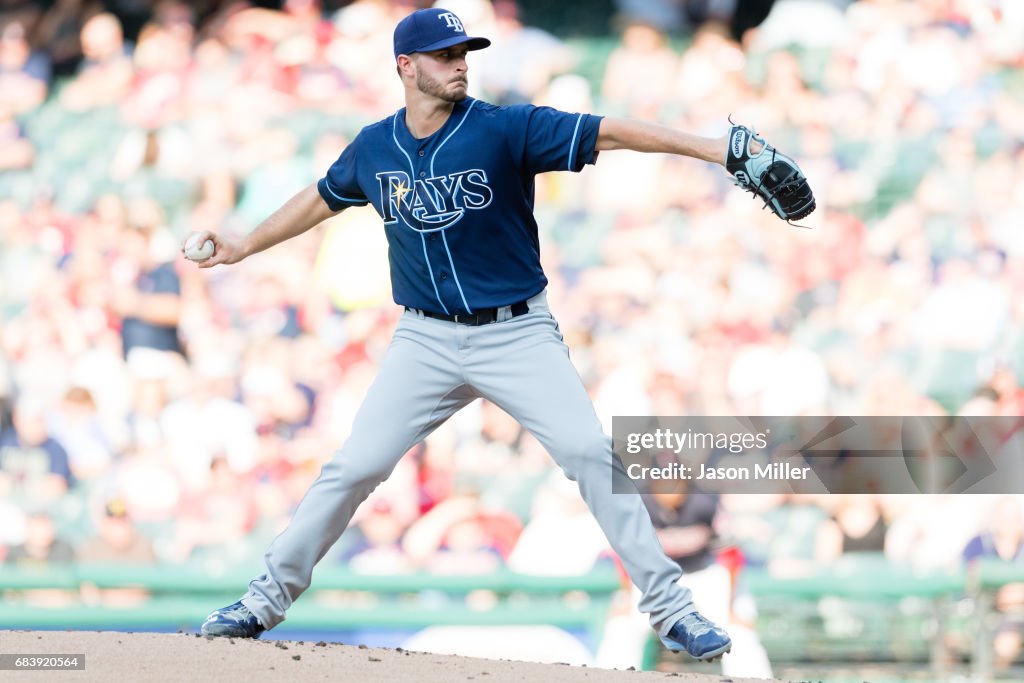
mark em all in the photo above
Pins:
pixel 434 87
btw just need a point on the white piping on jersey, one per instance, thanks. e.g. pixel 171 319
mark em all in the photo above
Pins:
pixel 572 144
pixel 394 136
pixel 327 184
pixel 444 237
pixel 455 275
pixel 450 135
pixel 412 176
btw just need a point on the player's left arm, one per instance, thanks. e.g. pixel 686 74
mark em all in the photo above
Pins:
pixel 755 165
pixel 641 136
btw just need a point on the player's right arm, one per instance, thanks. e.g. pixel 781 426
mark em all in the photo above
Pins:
pixel 641 136
pixel 300 213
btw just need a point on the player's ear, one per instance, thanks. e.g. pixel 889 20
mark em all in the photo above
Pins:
pixel 403 65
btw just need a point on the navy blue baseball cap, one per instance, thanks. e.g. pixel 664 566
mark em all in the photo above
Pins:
pixel 433 29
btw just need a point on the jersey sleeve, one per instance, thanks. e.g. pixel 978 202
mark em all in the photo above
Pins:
pixel 553 140
pixel 340 186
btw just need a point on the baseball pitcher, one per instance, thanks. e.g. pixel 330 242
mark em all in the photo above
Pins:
pixel 452 178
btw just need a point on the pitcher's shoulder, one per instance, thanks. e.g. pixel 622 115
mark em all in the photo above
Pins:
pixel 383 126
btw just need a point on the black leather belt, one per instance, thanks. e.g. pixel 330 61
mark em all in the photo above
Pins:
pixel 482 316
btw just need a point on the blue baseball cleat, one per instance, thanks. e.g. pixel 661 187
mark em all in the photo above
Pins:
pixel 233 621
pixel 698 637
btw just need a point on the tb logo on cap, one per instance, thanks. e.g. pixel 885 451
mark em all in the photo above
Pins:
pixel 451 21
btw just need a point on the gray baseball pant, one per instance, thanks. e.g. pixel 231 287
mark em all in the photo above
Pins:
pixel 431 370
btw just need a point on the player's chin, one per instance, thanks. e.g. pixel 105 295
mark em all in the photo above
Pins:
pixel 456 92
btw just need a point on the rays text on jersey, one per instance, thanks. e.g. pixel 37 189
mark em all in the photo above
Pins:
pixel 435 203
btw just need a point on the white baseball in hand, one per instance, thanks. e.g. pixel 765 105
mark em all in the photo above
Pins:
pixel 194 251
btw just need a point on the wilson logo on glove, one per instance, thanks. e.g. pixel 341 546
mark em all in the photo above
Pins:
pixel 737 143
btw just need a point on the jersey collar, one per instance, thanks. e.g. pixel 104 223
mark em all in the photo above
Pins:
pixel 413 144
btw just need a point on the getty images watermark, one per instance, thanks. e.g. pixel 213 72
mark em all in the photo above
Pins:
pixel 819 454
pixel 664 440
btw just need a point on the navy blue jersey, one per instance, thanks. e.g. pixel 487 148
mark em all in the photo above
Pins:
pixel 458 205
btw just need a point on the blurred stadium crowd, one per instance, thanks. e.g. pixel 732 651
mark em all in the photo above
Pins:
pixel 153 412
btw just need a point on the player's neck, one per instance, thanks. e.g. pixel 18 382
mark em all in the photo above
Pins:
pixel 424 115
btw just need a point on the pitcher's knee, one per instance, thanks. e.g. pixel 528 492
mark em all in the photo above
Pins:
pixel 357 471
pixel 577 456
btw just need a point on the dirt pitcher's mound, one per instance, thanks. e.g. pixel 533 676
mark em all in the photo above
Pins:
pixel 122 657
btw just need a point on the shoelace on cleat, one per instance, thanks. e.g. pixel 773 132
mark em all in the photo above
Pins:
pixel 695 625
pixel 236 614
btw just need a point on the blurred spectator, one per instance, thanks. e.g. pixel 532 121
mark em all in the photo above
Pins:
pixel 501 460
pixel 459 536
pixel 685 522
pixel 145 479
pixel 1003 535
pixel 966 311
pixel 779 532
pixel 351 264
pixel 562 538
pixel 117 540
pixel 807 23
pixel 364 33
pixel 60 29
pixel 373 544
pixel 22 12
pixel 929 533
pixel 217 518
pixel 273 172
pixel 42 545
pixel 1002 538
pixel 41 550
pixel 320 82
pixel 666 15
pixel 77 426
pixel 33 465
pixel 144 420
pixel 274 25
pixel 106 72
pixel 209 422
pixel 276 401
pixel 711 70
pixel 857 526
pixel 644 57
pixel 12 527
pixel 785 95
pixel 1009 393
pixel 779 377
pixel 147 292
pixel 16 149
pixel 271 309
pixel 24 74
pixel 162 59
pixel 522 60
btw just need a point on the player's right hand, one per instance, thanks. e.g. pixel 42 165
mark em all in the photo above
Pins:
pixel 226 250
